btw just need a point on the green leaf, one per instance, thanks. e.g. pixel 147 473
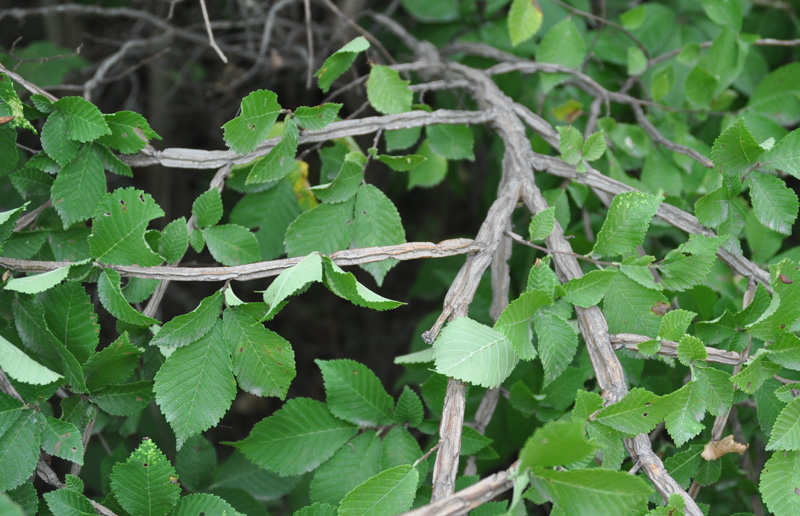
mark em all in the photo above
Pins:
pixel 113 364
pixel 19 448
pixel 377 223
pixel 785 282
pixel 38 282
pixel 716 389
pixel 204 503
pixel 30 182
pixel 628 307
pixel 712 209
pixel 263 361
pixel 558 443
pixel 778 482
pixel 472 352
pixel 387 92
pixel 258 113
pixel 130 132
pixel 349 467
pixel 785 433
pixel 207 208
pixel 62 439
pixel 633 18
pixel 273 211
pixel 400 139
pixel 451 141
pixel 589 289
pixel 785 351
pixel 389 492
pixel 67 502
pixel 400 447
pixel 297 438
pixel 682 409
pixel 557 343
pixel 431 172
pixel 317 117
pixel 564 45
pixel 515 321
pixel 195 386
pixel 541 277
pixel 326 228
pixel 188 328
pixel 777 95
pixel 231 245
pixel 758 370
pixel 409 408
pixel 291 281
pixel 355 394
pixel 441 11
pixel 280 160
pixel 636 413
pixel 691 348
pixel 784 156
pixel 124 400
pixel 595 146
pixel 724 12
pixel 524 20
pixel 700 86
pixel 347 181
pixel 542 224
pixel 735 150
pixel 83 120
pixel 683 465
pixel 626 223
pixel 570 143
pixel 79 187
pixel 339 62
pixel 174 240
pixel 110 294
pixel 674 325
pixel 662 83
pixel 775 204
pixel 398 163
pixel 473 441
pixel 19 366
pixel 119 225
pixel 637 61
pixel 196 463
pixel 55 141
pixel 598 491
pixel 317 509
pixel 345 285
pixel 143 484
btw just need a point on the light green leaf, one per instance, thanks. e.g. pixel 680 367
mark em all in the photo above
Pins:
pixel 626 223
pixel 524 20
pixel 724 12
pixel 778 482
pixel 563 44
pixel 317 117
pixel 326 228
pixel 387 92
pixel 515 321
pixel 633 18
pixel 451 141
pixel 347 181
pixel 355 394
pixel 84 121
pixel 682 409
pixel 557 443
pixel 130 132
pixel 187 328
pixel 636 413
pixel 197 241
pixel 291 281
pixel 38 282
pixel 79 187
pixel 735 150
pixel 542 224
pixel 389 492
pixel 195 386
pixel 570 144
pixel 377 223
pixel 595 146
pixel 778 95
pixel 317 509
pixel 19 448
pixel 674 324
pixel 174 240
pixel 541 277
pixel 662 83
pixel 589 289
pixel 204 503
pixel 110 294
pixel 785 155
pixel 19 366
pixel 716 389
pixel 113 364
pixel 758 370
pixel 263 361
pixel 349 467
pixel 418 357
pixel 280 160
pixel 785 282
pixel 712 209
pixel 297 438
pixel 690 348
pixel 409 408
pixel 431 172
pixel 785 350
pixel 785 433
pixel 345 285
pixel 472 352
pixel 700 86
pixel 339 62
pixel 119 225
pixel 598 491
pixel 124 400
pixel 637 61
pixel 231 245
pixel 55 141
pixel 143 484
pixel 775 204
pixel 67 502
pixel 258 113
pixel 557 343
pixel 207 208
pixel 62 439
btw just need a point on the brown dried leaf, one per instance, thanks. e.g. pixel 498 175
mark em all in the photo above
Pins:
pixel 716 449
pixel 5 119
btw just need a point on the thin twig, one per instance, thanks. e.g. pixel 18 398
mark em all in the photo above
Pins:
pixel 518 239
pixel 210 33
pixel 309 42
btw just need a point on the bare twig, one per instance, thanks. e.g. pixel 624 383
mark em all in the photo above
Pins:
pixel 210 33
pixel 630 341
